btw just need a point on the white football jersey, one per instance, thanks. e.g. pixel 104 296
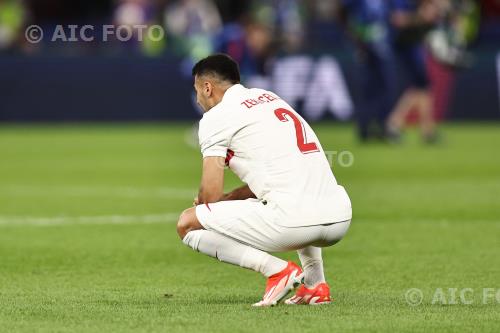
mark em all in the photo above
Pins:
pixel 271 148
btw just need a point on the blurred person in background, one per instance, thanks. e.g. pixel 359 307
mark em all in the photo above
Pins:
pixel 191 26
pixel 366 22
pixel 287 19
pixel 446 26
pixel 257 35
pixel 411 20
pixel 447 44
pixel 12 19
pixel 132 13
pixel 249 43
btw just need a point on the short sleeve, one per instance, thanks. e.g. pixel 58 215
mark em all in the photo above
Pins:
pixel 214 136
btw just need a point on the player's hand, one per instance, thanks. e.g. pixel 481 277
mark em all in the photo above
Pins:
pixel 196 201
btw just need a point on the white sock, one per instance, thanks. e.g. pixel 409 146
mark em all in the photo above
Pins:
pixel 228 250
pixel 312 264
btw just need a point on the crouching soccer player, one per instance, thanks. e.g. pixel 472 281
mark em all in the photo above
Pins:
pixel 291 201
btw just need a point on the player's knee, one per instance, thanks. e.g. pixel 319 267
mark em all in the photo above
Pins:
pixel 182 224
pixel 185 223
pixel 335 232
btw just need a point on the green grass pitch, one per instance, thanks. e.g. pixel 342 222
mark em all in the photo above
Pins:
pixel 88 241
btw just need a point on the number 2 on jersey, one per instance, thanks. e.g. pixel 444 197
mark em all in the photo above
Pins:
pixel 304 147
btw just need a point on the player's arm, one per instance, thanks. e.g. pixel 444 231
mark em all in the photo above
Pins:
pixel 212 180
pixel 241 193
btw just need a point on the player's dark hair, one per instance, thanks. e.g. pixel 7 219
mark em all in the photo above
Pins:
pixel 220 65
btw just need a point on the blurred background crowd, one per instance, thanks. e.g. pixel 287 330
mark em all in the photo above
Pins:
pixel 254 30
pixel 429 40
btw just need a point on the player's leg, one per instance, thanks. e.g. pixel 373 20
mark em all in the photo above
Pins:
pixel 224 248
pixel 315 289
pixel 369 85
pixel 404 105
pixel 387 90
pixel 421 83
pixel 312 264
pixel 238 232
pixel 188 222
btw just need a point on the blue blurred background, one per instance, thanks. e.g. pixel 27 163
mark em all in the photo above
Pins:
pixel 320 55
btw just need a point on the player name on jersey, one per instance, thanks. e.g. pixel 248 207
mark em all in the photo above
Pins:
pixel 264 98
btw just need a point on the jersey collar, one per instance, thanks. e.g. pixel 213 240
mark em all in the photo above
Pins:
pixel 232 91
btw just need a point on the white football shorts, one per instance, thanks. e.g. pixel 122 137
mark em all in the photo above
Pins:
pixel 254 223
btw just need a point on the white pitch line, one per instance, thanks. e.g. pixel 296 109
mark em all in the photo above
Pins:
pixel 82 191
pixel 73 220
